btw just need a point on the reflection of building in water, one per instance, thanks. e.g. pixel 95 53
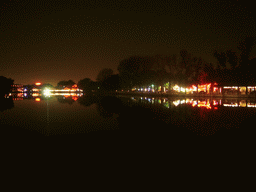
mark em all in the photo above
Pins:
pixel 205 104
pixel 251 103
pixel 38 99
pixel 214 103
pixel 198 102
pixel 72 96
pixel 36 94
pixel 17 98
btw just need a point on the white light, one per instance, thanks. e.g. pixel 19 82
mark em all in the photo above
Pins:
pixel 176 103
pixel 47 92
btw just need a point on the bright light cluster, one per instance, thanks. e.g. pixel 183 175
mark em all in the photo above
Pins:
pixel 47 92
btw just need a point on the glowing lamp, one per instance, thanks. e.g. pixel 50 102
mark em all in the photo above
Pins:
pixel 47 92
pixel 38 83
pixel 38 99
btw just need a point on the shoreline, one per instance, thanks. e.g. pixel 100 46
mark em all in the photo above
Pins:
pixel 161 94
pixel 185 95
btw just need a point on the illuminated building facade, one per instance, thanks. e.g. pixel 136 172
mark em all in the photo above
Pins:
pixel 17 88
pixel 205 89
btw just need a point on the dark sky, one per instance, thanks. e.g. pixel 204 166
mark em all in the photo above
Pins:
pixel 49 41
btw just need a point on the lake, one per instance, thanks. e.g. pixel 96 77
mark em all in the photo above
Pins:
pixel 129 129
pixel 83 116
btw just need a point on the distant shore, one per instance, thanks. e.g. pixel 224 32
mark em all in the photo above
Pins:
pixel 184 95
pixel 144 94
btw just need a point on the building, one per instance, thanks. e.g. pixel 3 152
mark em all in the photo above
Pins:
pixel 17 88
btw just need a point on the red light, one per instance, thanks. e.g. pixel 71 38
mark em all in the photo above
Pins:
pixel 74 98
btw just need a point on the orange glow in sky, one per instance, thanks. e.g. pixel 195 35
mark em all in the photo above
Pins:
pixel 38 83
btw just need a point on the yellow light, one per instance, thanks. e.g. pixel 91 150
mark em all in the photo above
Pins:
pixel 35 94
pixel 38 99
pixel 176 88
pixel 242 103
pixel 35 90
pixel 38 83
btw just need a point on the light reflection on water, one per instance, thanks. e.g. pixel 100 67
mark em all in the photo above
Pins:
pixel 198 102
pixel 167 102
pixel 71 114
pixel 55 115
pixel 204 117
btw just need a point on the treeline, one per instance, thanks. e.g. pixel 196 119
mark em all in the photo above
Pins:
pixel 6 85
pixel 183 69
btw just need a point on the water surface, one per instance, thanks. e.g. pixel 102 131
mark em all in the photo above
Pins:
pixel 137 125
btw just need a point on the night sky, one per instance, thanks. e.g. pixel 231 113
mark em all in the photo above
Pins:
pixel 50 41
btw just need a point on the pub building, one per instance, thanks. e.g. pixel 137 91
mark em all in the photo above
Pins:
pixel 228 89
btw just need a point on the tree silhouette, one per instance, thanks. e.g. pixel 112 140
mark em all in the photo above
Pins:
pixel 6 103
pixel 246 46
pixel 112 83
pixel 6 85
pixel 232 58
pixel 68 84
pixel 83 83
pixel 104 74
pixel 133 69
pixel 221 57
